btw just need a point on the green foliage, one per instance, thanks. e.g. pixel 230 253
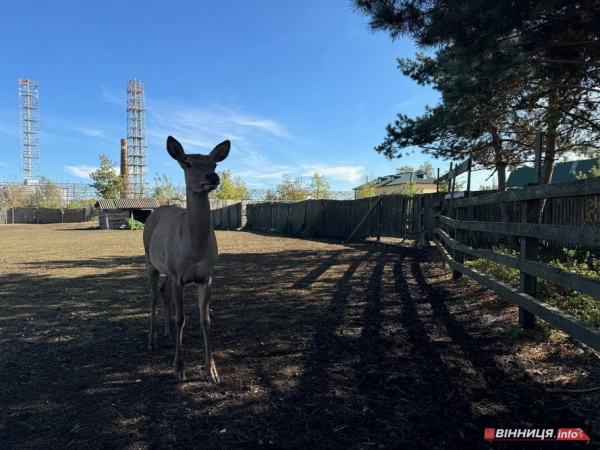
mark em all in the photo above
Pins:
pixel 291 190
pixel 404 169
pixel 368 190
pixel 319 187
pixel 584 263
pixel 132 224
pixel 410 189
pixel 106 181
pixel 231 188
pixel 81 204
pixel 593 205
pixel 504 70
pixel 460 186
pixel 164 192
pixel 43 195
pixel 514 332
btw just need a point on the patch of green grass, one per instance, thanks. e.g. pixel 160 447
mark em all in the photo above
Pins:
pixel 583 307
pixel 514 332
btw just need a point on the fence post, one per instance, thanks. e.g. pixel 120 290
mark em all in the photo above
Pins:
pixel 455 233
pixel 529 250
pixel 379 219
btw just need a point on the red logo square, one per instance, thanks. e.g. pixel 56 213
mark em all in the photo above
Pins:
pixel 490 433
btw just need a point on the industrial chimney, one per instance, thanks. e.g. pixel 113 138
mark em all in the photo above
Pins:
pixel 125 169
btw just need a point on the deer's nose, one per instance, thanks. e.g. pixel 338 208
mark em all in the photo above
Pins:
pixel 213 178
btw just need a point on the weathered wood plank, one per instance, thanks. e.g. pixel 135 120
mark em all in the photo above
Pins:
pixel 570 325
pixel 585 285
pixel 589 186
pixel 589 236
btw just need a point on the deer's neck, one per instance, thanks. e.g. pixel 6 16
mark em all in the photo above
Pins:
pixel 198 217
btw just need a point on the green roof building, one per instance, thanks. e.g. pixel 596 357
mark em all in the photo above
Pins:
pixel 564 171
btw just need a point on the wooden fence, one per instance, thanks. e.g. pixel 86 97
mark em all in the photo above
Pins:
pixel 46 215
pixel 228 214
pixel 387 216
pixel 457 220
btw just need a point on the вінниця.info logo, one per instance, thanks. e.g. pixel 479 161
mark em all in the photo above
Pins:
pixel 535 434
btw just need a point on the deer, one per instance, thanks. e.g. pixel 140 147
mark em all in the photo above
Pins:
pixel 181 244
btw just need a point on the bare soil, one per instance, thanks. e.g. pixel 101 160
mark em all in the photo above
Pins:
pixel 318 345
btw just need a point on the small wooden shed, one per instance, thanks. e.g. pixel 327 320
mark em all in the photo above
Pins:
pixel 112 214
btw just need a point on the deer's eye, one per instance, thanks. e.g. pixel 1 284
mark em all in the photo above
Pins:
pixel 187 165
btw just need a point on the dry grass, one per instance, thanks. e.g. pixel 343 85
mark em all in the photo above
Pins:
pixel 318 345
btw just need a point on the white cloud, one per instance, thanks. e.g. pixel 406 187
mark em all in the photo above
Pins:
pixel 205 127
pixel 81 171
pixel 350 174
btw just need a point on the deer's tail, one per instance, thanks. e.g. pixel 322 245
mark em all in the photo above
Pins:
pixel 165 289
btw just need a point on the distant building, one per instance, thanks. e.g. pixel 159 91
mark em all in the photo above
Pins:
pixel 112 214
pixel 564 171
pixel 393 183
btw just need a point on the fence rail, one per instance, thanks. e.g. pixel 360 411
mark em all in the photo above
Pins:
pixel 457 217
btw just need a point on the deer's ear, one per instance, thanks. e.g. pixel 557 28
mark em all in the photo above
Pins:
pixel 175 149
pixel 221 151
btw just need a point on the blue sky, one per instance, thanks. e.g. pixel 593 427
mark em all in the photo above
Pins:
pixel 297 87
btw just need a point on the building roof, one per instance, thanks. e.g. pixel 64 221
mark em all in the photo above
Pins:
pixel 564 171
pixel 128 203
pixel 399 178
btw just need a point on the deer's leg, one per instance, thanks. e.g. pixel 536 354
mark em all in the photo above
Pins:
pixel 177 290
pixel 166 292
pixel 153 276
pixel 204 290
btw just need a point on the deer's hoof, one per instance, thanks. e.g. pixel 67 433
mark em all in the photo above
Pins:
pixel 152 342
pixel 213 376
pixel 179 376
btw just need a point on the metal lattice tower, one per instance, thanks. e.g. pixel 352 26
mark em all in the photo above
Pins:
pixel 30 130
pixel 136 138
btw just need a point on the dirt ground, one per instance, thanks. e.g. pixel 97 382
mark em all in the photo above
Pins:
pixel 318 345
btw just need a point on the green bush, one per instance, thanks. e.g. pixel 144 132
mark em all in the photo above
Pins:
pixel 132 224
pixel 583 307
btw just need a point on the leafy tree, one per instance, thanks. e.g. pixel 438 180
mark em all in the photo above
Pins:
pixel 48 194
pixel 404 169
pixel 368 187
pixel 271 196
pixel 164 191
pixel 427 168
pixel 13 196
pixel 231 188
pixel 106 181
pixel 459 186
pixel 319 187
pixel 410 189
pixel 291 190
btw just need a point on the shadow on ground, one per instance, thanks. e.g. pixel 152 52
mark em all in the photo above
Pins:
pixel 350 347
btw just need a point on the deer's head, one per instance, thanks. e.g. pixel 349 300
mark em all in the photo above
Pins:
pixel 200 175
